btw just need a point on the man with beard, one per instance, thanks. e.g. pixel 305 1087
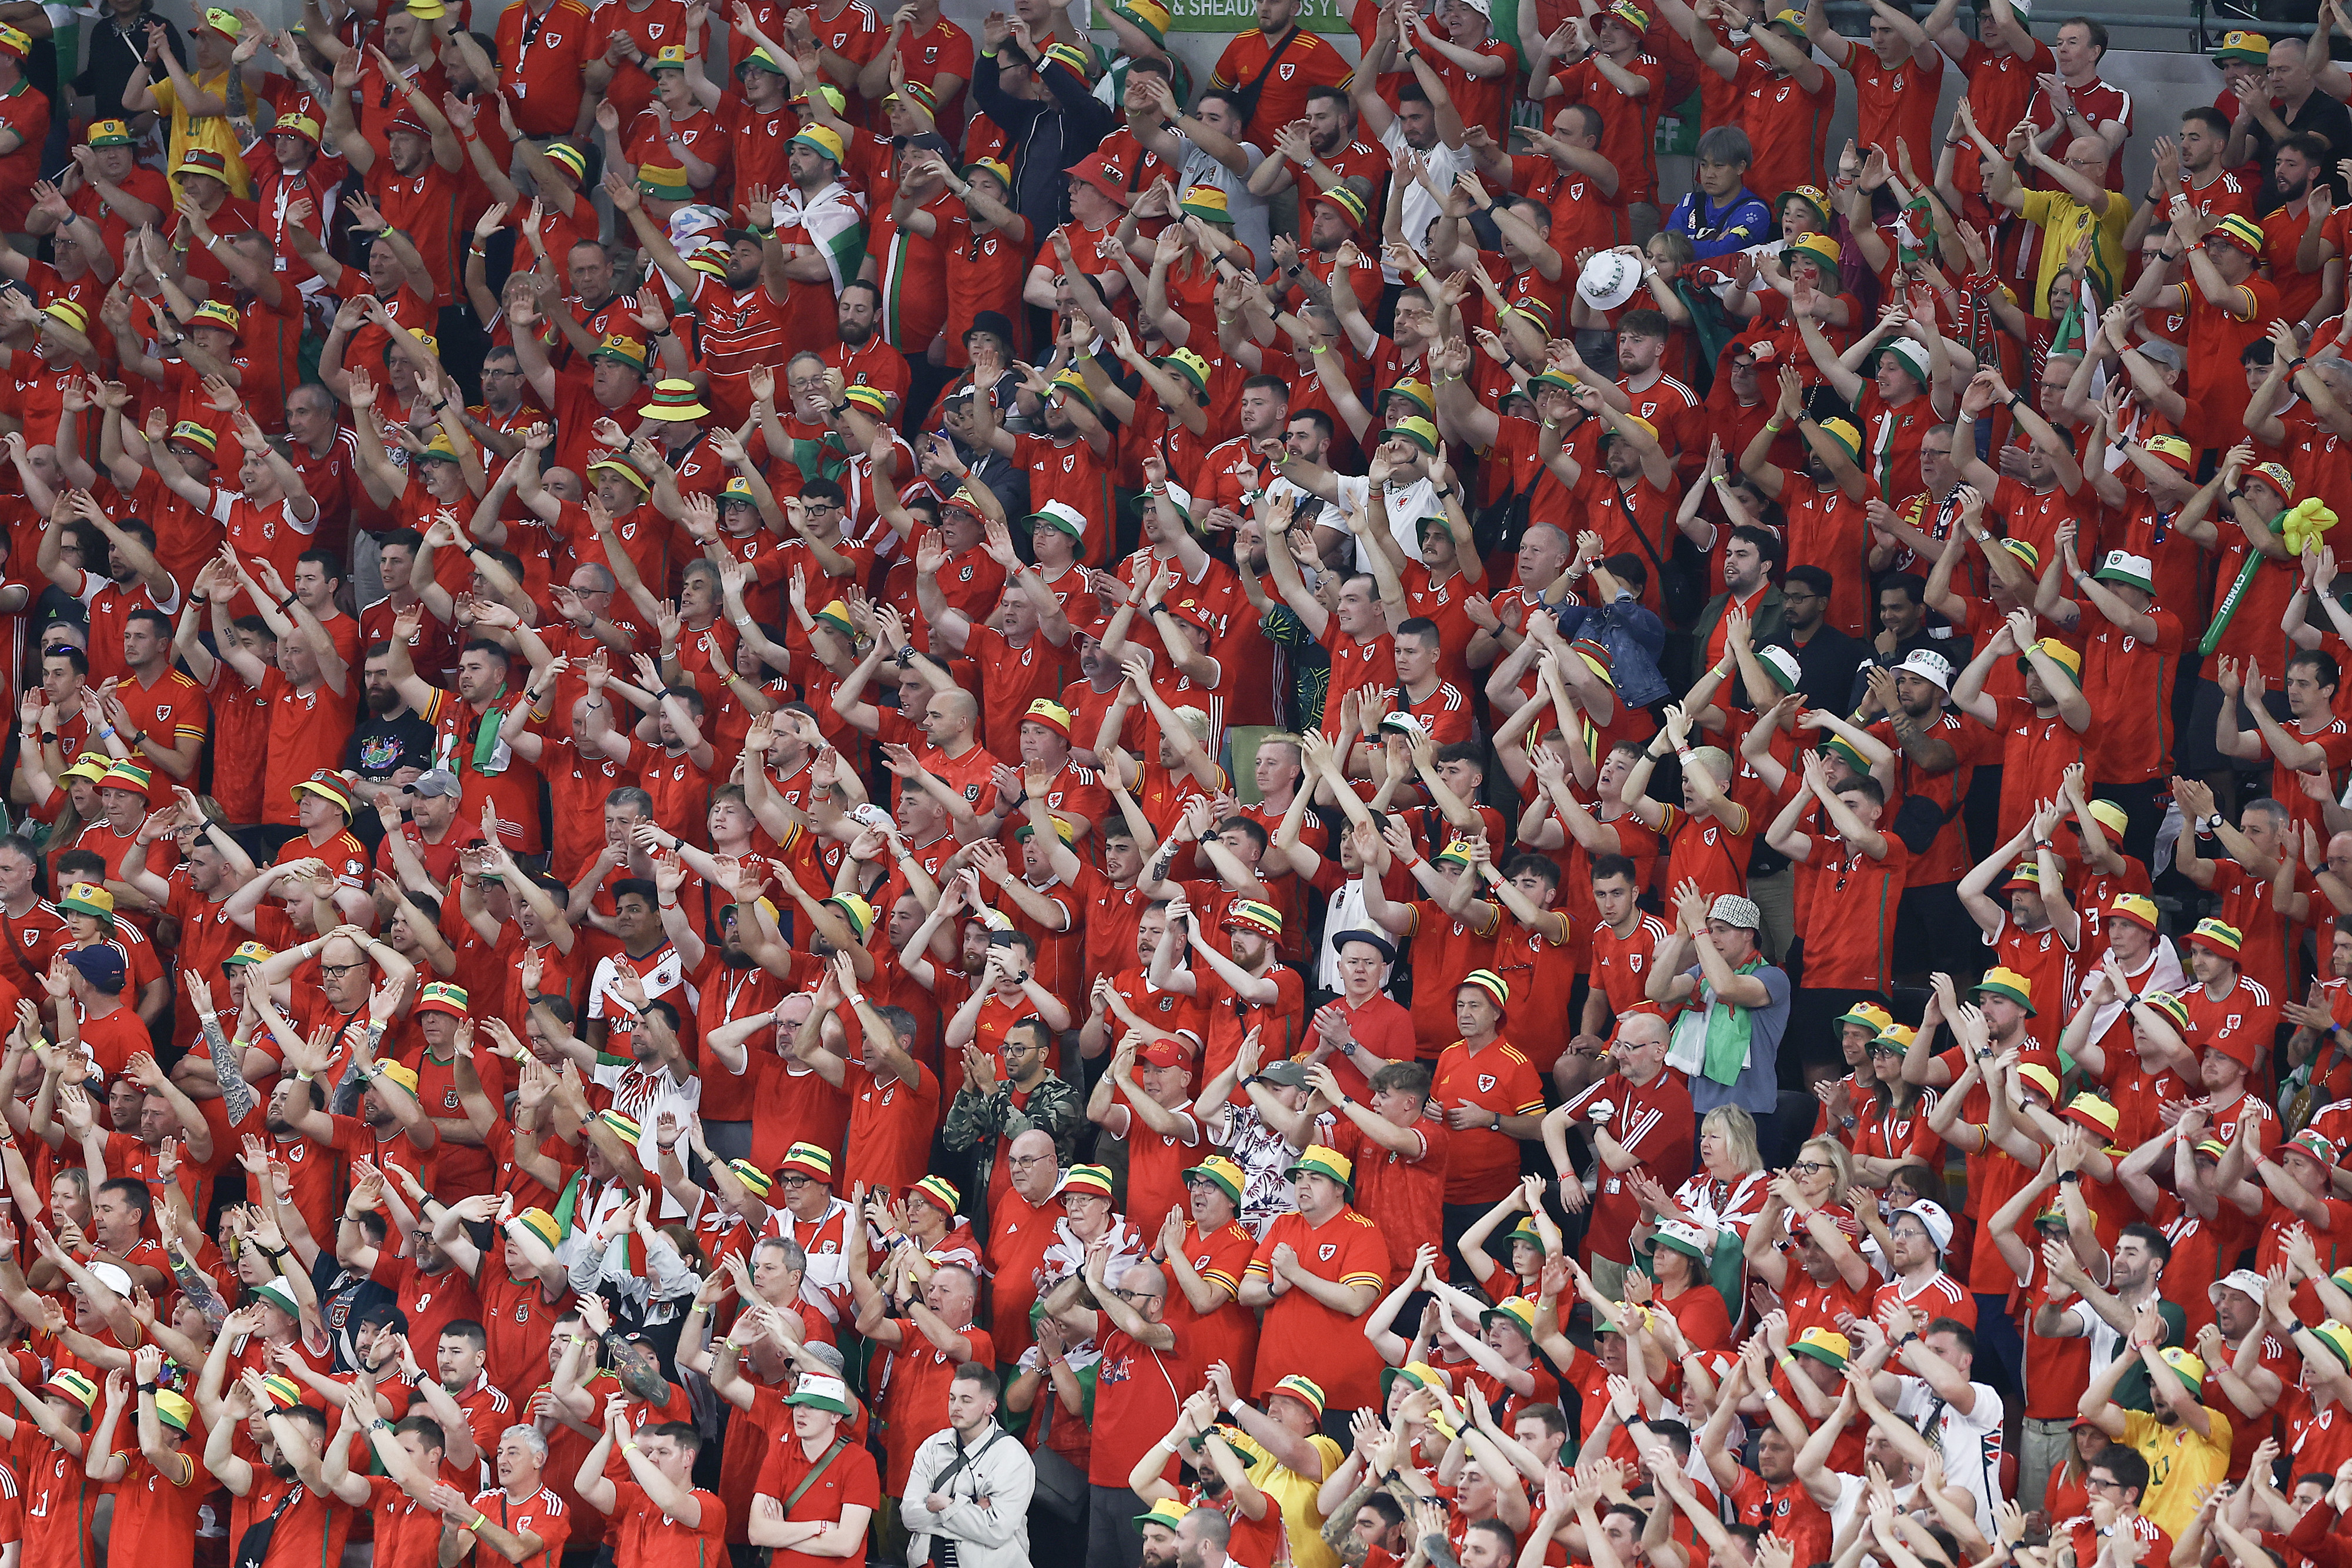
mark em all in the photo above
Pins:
pixel 860 355
pixel 730 986
pixel 423 848
pixel 420 186
pixel 742 313
pixel 500 778
pixel 1030 1097
pixel 1324 145
pixel 288 1486
pixel 1826 656
pixel 1070 463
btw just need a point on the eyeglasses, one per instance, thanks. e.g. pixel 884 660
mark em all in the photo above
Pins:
pixel 1022 1163
pixel 1809 1167
pixel 337 971
pixel 1137 1297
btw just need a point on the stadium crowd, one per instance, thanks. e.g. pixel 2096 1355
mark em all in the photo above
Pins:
pixel 794 784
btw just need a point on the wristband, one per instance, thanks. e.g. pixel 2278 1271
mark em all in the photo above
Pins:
pixel 480 1520
pixel 1787 1359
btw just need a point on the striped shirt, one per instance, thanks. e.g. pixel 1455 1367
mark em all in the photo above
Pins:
pixel 742 328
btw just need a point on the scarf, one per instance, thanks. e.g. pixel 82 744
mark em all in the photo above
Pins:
pixel 1727 1029
pixel 486 733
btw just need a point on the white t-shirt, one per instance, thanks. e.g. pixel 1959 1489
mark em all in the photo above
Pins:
pixel 1405 506
pixel 1252 226
pixel 1970 1441
pixel 1447 164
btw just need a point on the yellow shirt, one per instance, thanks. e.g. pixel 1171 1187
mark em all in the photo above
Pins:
pixel 1302 1521
pixel 2181 1465
pixel 206 132
pixel 2063 221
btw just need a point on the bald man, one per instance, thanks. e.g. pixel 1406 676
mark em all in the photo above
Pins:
pixel 1021 1221
pixel 1137 1391
pixel 952 769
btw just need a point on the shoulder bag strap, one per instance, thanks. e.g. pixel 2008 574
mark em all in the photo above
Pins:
pixel 823 1464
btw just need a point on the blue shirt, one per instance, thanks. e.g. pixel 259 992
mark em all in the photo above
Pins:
pixel 1742 221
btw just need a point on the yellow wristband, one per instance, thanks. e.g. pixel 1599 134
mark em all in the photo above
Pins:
pixel 480 1520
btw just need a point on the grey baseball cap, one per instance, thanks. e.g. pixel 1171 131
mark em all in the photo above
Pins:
pixel 436 783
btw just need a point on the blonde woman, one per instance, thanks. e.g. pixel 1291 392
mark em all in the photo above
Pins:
pixel 1723 1200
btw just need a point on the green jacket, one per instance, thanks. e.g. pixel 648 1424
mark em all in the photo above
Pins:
pixel 986 1123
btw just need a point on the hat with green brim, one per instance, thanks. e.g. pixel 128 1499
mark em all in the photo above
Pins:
pixel 1075 385
pixel 1837 746
pixel 1059 515
pixel 859 913
pixel 1512 1311
pixel 1525 1230
pixel 629 351
pixel 1782 666
pixel 173 1409
pixel 1322 1160
pixel 1418 394
pixel 836 615
pixel 1148 15
pixel 1676 1236
pixel 1824 1345
pixel 1818 248
pixel 1168 1513
pixel 1843 433
pixel 2005 982
pixel 1064 830
pixel 2336 1337
pixel 820 1391
pixel 665 183
pixel 248 952
pixel 1909 354
pixel 824 139
pixel 278 1294
pixel 1420 431
pixel 1790 22
pixel 2058 653
pixel 1419 1374
pixel 89 898
pixel 1189 365
pixel 758 60
pixel 613 466
pixel 2185 1366
pixel 2251 48
pixel 1868 1015
pixel 2122 566
pixel 111 133
pixel 1554 379
pixel 1812 196
pixel 1220 1173
pixel 675 403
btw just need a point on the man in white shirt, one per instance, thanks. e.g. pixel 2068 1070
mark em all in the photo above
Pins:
pixel 1950 1415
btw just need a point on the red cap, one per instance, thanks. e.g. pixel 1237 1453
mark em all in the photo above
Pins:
pixel 1161 1053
